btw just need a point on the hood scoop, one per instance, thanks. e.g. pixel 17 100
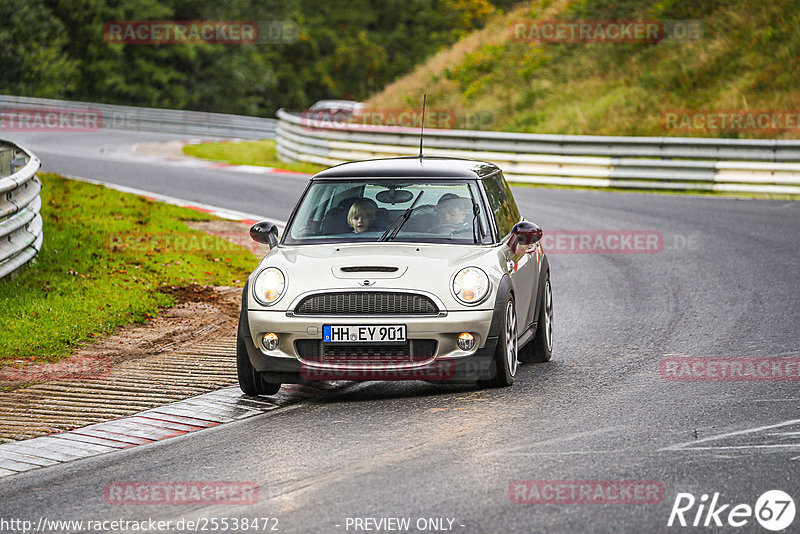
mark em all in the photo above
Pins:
pixel 358 272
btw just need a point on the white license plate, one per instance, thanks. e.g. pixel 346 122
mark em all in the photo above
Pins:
pixel 364 333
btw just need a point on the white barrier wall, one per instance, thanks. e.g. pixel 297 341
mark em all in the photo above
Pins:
pixel 21 231
pixel 745 165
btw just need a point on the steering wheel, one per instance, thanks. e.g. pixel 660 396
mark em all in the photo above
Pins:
pixel 443 228
pixel 447 228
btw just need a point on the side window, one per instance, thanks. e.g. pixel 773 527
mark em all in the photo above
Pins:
pixel 501 201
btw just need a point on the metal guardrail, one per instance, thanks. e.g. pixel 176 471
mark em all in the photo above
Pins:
pixel 21 231
pixel 732 165
pixel 97 116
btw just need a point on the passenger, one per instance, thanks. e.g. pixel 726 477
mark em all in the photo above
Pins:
pixel 361 215
pixel 453 211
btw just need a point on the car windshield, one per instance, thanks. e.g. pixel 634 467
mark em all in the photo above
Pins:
pixel 410 210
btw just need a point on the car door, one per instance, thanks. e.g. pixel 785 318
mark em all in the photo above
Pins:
pixel 521 264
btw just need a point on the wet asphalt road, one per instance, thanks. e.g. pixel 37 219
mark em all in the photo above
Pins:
pixel 725 284
pixel 106 155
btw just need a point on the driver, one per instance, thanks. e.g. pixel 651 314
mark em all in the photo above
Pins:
pixel 361 215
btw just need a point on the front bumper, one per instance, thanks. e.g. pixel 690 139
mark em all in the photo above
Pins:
pixel 448 363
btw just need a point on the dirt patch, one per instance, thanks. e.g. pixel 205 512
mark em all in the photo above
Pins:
pixel 190 293
pixel 200 312
pixel 221 297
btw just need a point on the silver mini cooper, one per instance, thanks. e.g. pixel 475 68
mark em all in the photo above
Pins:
pixel 397 269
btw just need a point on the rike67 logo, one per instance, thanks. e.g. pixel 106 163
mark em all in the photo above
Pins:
pixel 774 510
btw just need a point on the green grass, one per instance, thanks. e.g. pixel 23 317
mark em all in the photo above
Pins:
pixel 105 255
pixel 261 153
pixel 747 59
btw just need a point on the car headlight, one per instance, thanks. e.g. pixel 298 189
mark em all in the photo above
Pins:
pixel 470 285
pixel 269 286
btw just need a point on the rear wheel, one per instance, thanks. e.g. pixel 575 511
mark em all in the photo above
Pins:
pixel 250 380
pixel 540 348
pixel 505 356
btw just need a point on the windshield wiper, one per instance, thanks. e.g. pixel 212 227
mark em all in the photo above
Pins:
pixel 402 219
pixel 477 227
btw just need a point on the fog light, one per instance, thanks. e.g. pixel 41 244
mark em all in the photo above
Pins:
pixel 466 341
pixel 270 341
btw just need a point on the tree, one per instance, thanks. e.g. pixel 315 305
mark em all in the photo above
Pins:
pixel 33 61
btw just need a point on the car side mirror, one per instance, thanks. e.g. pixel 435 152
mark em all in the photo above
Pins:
pixel 524 234
pixel 265 232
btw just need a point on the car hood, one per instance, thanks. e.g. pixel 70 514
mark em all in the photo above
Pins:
pixel 428 268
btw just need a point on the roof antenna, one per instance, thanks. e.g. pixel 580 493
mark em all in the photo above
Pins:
pixel 422 126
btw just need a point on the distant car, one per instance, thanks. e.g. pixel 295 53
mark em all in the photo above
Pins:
pixel 336 106
pixel 395 269
pixel 335 110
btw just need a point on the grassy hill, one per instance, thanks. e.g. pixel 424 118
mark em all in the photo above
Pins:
pixel 747 59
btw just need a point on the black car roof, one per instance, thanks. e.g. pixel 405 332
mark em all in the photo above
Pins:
pixel 411 166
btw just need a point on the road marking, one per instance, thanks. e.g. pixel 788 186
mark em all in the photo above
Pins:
pixel 557 453
pixel 524 449
pixel 743 447
pixel 692 445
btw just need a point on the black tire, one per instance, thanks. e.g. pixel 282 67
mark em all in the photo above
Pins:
pixel 540 348
pixel 505 355
pixel 250 380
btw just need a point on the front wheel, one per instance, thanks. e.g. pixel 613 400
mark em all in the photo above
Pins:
pixel 540 348
pixel 505 356
pixel 250 380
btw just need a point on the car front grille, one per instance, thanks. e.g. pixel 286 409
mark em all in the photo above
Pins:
pixel 366 303
pixel 415 350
